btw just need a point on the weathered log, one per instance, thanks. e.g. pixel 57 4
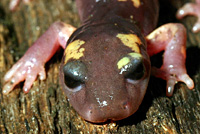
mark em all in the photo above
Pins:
pixel 45 108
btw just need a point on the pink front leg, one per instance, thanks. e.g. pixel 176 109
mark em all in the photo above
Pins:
pixel 191 9
pixel 32 63
pixel 171 38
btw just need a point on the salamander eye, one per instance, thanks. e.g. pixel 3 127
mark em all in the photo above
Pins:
pixel 133 68
pixel 74 74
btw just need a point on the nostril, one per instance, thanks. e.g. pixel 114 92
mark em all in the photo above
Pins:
pixel 90 111
pixel 125 105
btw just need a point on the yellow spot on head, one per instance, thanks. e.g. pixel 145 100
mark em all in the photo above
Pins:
pixel 122 62
pixel 74 51
pixel 135 55
pixel 130 40
pixel 136 3
pixel 126 60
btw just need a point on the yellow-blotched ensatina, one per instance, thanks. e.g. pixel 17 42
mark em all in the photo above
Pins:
pixel 105 68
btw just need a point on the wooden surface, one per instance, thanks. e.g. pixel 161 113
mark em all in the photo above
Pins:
pixel 45 109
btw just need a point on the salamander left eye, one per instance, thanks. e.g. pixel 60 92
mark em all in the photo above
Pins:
pixel 135 70
pixel 74 74
pixel 132 66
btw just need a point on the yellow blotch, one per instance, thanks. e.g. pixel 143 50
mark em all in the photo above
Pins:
pixel 74 51
pixel 130 40
pixel 126 60
pixel 122 62
pixel 135 55
pixel 136 3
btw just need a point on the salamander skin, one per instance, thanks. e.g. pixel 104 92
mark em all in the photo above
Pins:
pixel 109 38
pixel 106 67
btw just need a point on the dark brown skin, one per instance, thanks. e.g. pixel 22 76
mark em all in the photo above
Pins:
pixel 145 16
pixel 103 92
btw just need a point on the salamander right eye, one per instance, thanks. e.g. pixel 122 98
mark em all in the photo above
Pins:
pixel 74 75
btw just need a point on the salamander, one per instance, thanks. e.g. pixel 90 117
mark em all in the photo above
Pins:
pixel 105 67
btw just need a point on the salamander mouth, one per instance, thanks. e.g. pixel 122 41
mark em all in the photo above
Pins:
pixel 107 114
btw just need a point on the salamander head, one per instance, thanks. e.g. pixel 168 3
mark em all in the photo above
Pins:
pixel 105 73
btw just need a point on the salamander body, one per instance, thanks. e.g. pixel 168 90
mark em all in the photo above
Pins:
pixel 113 54
pixel 106 67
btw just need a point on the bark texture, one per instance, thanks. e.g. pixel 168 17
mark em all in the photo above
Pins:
pixel 45 109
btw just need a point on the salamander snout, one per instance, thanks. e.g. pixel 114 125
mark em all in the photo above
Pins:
pixel 106 112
